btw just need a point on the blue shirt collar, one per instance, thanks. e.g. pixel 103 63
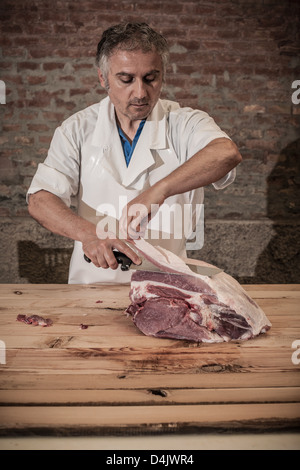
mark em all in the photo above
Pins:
pixel 128 147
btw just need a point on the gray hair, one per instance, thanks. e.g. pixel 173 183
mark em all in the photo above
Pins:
pixel 130 37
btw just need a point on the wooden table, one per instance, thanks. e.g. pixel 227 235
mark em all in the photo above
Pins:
pixel 111 379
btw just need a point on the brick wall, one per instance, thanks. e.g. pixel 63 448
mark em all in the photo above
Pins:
pixel 235 59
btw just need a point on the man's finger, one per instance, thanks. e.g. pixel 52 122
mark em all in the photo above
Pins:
pixel 110 259
pixel 123 248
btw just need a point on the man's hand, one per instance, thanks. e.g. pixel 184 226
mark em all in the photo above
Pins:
pixel 100 251
pixel 137 213
pixel 53 214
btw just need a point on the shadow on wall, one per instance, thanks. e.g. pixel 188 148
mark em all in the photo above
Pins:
pixel 43 265
pixel 279 262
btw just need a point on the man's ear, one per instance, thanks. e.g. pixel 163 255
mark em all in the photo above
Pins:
pixel 101 78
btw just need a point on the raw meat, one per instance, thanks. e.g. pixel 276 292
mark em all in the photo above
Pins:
pixel 35 320
pixel 177 303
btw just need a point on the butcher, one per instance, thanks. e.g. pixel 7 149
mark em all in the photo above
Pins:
pixel 131 150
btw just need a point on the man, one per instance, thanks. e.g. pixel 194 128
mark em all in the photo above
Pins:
pixel 132 147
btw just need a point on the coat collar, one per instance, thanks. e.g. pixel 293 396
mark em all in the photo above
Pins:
pixel 107 137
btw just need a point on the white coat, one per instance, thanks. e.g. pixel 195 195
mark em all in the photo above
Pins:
pixel 86 161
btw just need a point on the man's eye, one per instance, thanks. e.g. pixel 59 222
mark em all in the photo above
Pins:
pixel 149 79
pixel 126 80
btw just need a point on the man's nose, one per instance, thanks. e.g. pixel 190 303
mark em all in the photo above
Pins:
pixel 140 89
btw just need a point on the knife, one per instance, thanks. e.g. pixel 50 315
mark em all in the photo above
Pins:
pixel 195 265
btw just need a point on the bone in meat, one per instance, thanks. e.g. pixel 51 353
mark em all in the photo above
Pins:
pixel 178 303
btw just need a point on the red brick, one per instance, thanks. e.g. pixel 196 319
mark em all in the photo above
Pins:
pixel 6 65
pixel 189 21
pixel 284 108
pixel 11 127
pixel 75 52
pixel 64 28
pixel 28 65
pixel 261 144
pixel 78 91
pixel 82 66
pixel 45 139
pixel 4 211
pixel 48 66
pixel 24 140
pixel 7 166
pixel 254 108
pixel 67 78
pixel 68 105
pixel 214 45
pixel 27 116
pixel 14 79
pixel 90 80
pixel 53 116
pixel 39 28
pixel 203 10
pixel 39 100
pixel 11 28
pixel 36 79
pixel 37 127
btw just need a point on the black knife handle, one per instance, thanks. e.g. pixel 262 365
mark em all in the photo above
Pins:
pixel 121 258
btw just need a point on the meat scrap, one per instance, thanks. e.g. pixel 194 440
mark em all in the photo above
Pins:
pixel 180 304
pixel 35 320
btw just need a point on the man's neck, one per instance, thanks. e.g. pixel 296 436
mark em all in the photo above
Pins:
pixel 128 127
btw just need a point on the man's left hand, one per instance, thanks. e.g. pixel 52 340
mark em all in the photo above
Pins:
pixel 137 213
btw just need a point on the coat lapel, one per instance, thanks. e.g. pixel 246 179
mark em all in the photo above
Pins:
pixel 106 136
pixel 153 137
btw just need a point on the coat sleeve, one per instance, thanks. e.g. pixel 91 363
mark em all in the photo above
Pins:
pixel 59 174
pixel 191 130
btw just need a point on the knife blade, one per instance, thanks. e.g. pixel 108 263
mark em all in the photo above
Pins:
pixel 146 265
pixel 195 266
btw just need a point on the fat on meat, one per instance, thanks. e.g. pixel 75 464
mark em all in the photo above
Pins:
pixel 177 303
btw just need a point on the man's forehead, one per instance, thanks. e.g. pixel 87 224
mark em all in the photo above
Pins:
pixel 135 59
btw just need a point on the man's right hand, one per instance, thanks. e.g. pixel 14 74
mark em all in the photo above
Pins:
pixel 100 251
pixel 52 213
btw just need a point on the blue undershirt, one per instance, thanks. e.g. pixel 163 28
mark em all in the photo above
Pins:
pixel 128 148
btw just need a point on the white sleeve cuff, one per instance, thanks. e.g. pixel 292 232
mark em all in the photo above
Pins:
pixel 226 180
pixel 52 180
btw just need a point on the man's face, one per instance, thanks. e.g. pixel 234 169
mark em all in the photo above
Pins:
pixel 135 81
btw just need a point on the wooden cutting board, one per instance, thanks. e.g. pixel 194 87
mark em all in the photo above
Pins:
pixel 110 378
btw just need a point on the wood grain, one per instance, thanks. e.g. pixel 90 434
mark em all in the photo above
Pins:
pixel 111 378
